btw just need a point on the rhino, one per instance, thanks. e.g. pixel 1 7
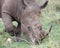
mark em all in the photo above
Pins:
pixel 27 15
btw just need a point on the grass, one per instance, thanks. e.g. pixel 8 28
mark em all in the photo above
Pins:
pixel 48 16
pixel 51 41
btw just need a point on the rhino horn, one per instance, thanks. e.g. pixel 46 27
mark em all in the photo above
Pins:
pixel 48 30
pixel 45 33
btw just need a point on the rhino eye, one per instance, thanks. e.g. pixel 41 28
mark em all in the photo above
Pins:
pixel 29 28
pixel 24 8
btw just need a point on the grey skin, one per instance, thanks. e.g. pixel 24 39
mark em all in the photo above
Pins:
pixel 26 13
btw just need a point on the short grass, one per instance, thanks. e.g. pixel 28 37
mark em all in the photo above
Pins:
pixel 51 41
pixel 48 16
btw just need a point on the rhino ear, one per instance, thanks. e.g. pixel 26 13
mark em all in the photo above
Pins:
pixel 25 3
pixel 43 4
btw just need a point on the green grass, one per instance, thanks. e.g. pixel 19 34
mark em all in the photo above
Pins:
pixel 48 16
pixel 51 41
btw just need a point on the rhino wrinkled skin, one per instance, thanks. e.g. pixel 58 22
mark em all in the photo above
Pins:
pixel 26 13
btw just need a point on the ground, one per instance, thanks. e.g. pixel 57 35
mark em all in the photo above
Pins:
pixel 49 15
pixel 51 41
